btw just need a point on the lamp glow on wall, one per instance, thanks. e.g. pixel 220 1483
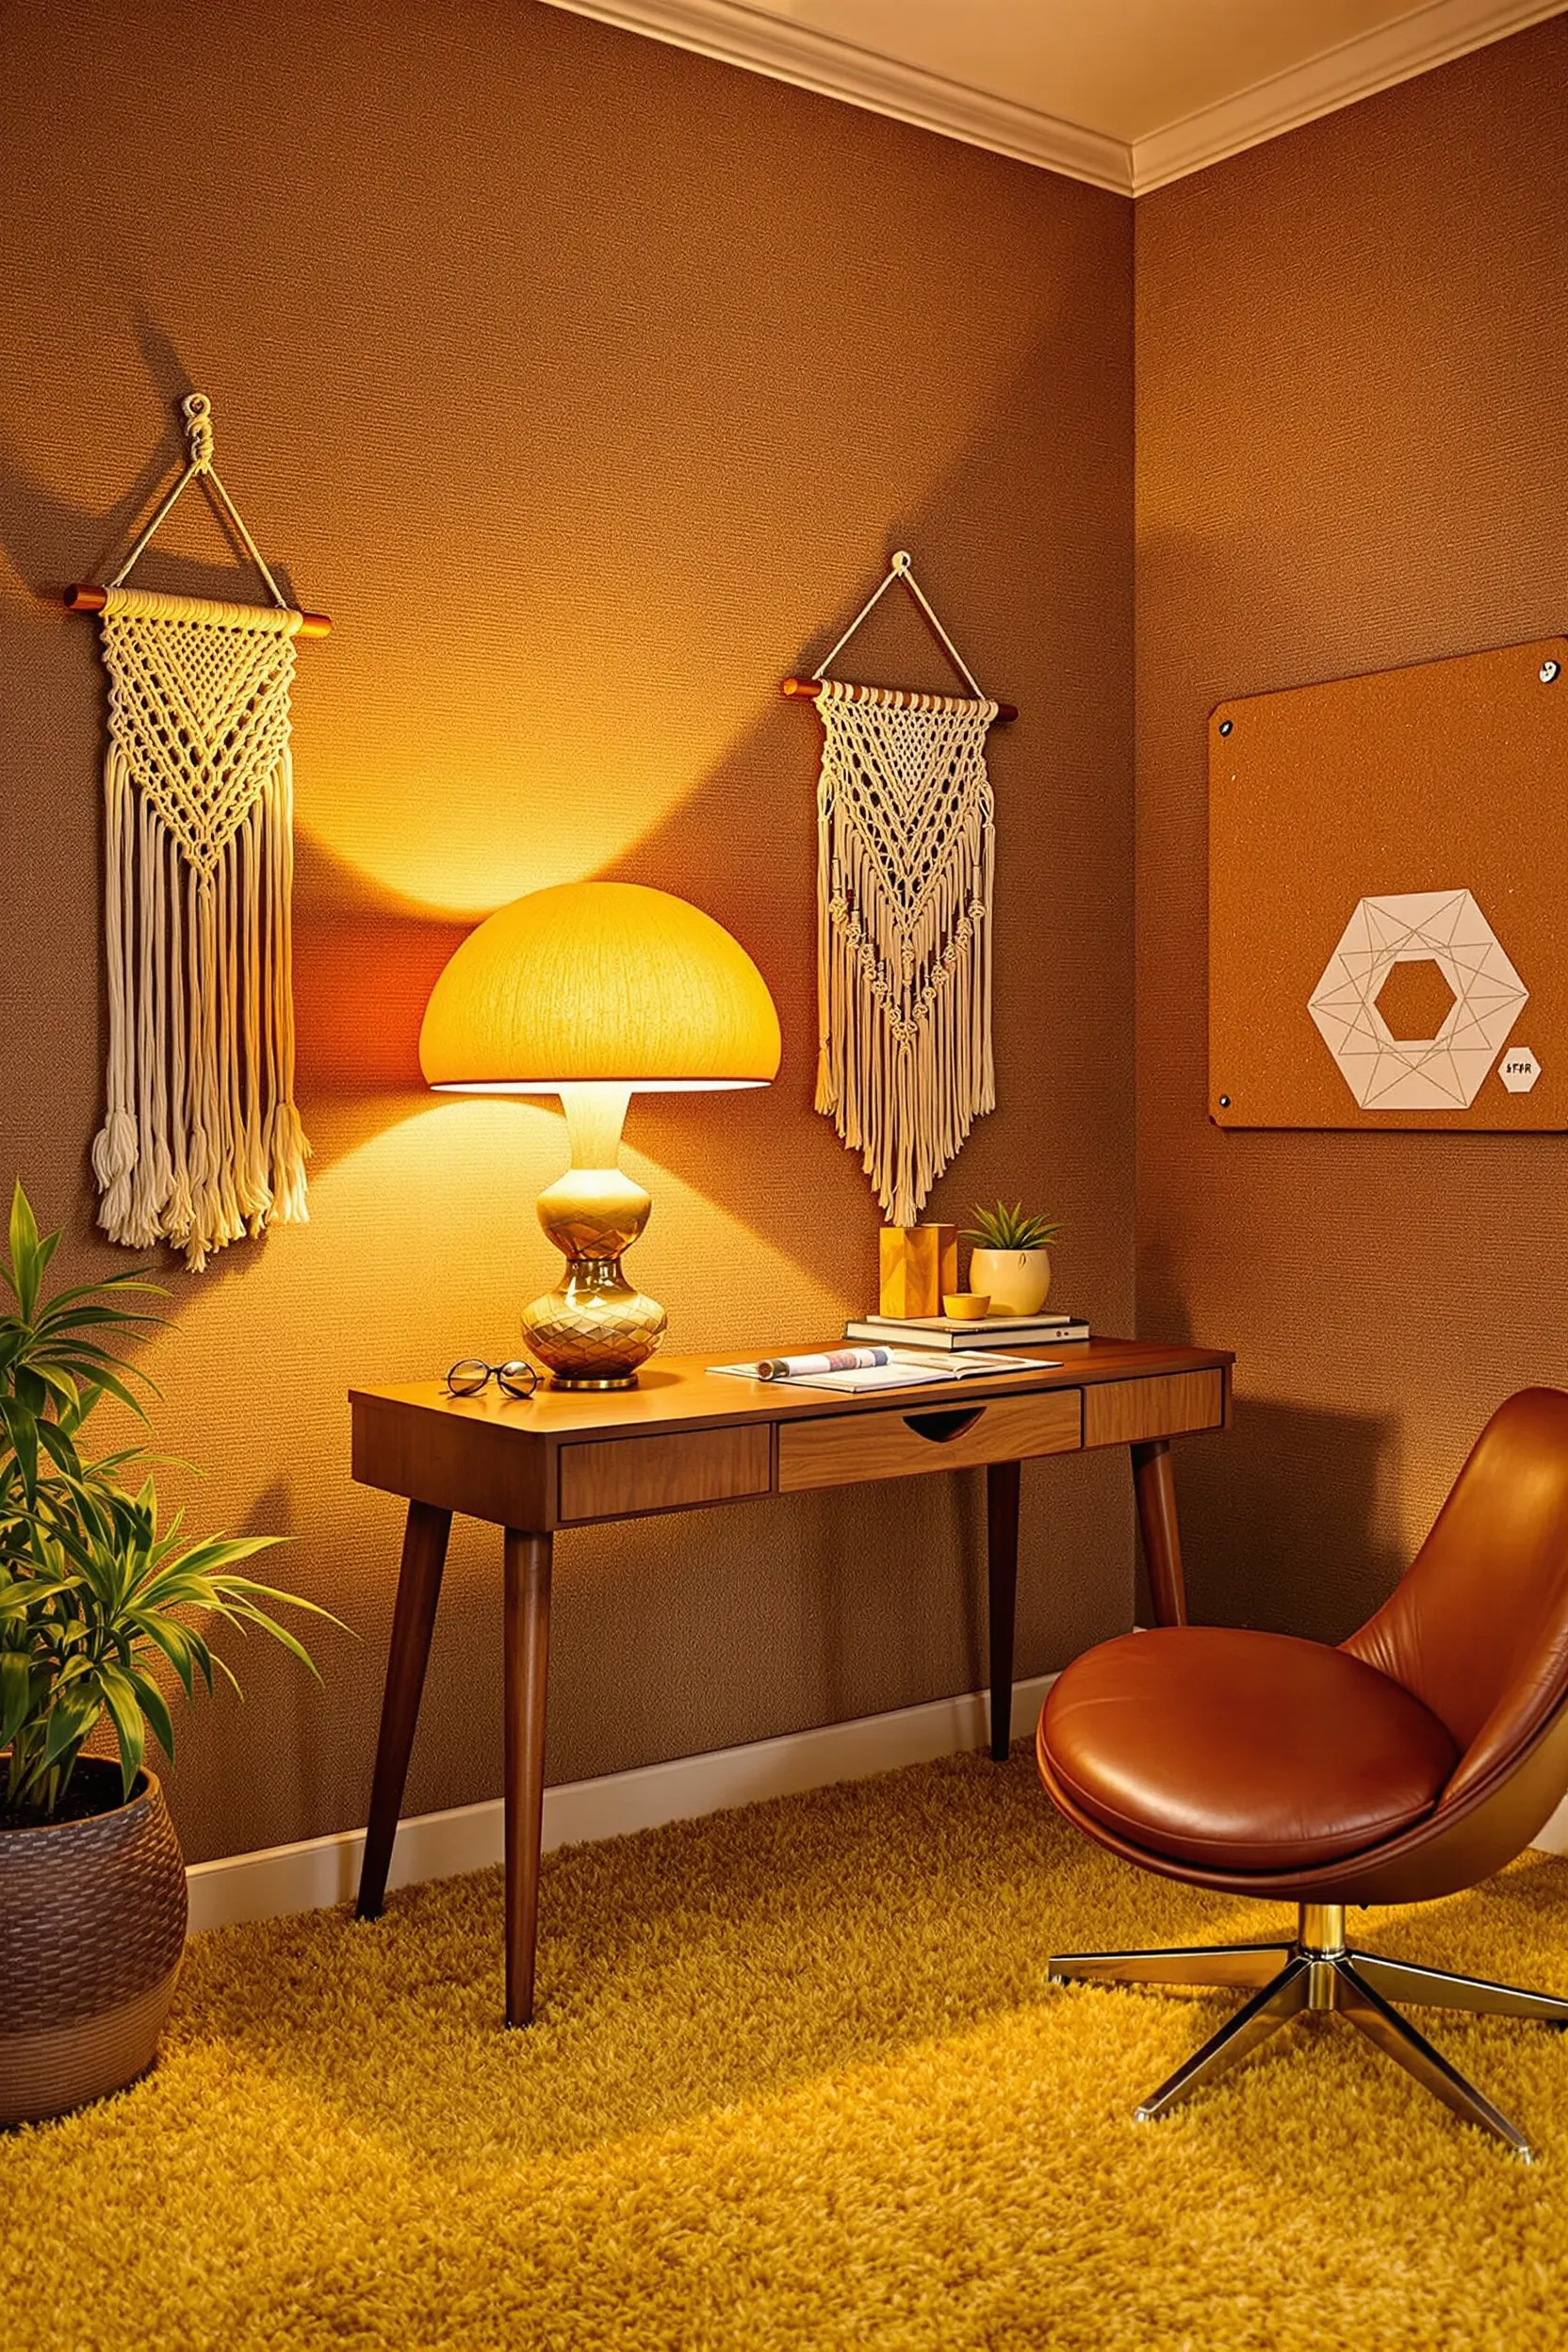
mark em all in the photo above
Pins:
pixel 594 991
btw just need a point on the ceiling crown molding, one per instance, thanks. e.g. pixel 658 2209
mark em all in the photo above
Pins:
pixel 1354 69
pixel 838 69
pixel 791 51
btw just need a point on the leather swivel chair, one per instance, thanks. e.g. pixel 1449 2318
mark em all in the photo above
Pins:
pixel 1416 1759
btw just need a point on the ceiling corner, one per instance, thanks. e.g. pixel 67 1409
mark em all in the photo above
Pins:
pixel 1352 70
pixel 790 52
pixel 787 50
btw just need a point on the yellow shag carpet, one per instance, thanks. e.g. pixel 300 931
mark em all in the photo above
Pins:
pixel 798 2081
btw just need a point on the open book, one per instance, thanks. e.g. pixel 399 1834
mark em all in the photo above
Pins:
pixel 903 1367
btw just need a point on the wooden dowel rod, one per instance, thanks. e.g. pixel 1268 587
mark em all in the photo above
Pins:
pixel 82 596
pixel 812 687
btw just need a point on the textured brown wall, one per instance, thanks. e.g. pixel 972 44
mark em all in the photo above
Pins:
pixel 587 383
pixel 1351 356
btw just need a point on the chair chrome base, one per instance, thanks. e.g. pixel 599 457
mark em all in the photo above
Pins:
pixel 1318 1970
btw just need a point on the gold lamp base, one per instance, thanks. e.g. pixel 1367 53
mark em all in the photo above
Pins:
pixel 594 1329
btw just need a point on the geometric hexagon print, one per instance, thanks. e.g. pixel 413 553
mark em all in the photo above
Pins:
pixel 1437 1073
pixel 1387 912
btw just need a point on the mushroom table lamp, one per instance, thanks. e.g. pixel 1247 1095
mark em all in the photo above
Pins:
pixel 596 990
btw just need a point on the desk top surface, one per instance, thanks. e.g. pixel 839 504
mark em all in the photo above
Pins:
pixel 683 1392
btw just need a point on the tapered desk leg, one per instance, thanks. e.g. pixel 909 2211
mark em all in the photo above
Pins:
pixel 418 1591
pixel 1162 1537
pixel 1002 1505
pixel 528 1644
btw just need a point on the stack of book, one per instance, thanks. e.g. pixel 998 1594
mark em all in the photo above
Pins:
pixel 946 1330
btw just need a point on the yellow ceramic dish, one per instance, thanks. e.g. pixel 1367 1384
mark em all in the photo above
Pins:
pixel 967 1306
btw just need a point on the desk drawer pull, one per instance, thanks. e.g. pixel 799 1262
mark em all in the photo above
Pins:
pixel 839 1449
pixel 942 1427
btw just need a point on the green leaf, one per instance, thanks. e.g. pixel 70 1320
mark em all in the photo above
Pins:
pixel 156 1708
pixel 53 1323
pixel 57 1444
pixel 120 1697
pixel 62 1387
pixel 16 1693
pixel 92 1368
pixel 179 1645
pixel 243 1585
pixel 215 1552
pixel 71 1416
pixel 100 1472
pixel 22 1430
pixel 203 1657
pixel 28 1260
pixel 228 1674
pixel 130 1278
pixel 279 1633
pixel 72 1716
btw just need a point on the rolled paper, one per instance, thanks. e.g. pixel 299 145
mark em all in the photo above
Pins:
pixel 807 1367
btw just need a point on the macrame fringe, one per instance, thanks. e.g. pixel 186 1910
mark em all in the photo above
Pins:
pixel 202 1141
pixel 905 864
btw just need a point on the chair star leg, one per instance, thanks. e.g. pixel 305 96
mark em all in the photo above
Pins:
pixel 1244 1965
pixel 1272 2005
pixel 1436 1988
pixel 1366 2007
pixel 1317 1971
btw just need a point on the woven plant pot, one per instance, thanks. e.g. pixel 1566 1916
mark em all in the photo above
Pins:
pixel 93 1918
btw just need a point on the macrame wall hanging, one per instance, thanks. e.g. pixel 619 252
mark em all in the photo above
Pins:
pixel 905 860
pixel 200 1141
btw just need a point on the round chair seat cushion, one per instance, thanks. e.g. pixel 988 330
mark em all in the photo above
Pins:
pixel 1241 1750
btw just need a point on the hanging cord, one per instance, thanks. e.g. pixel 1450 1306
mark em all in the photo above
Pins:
pixel 900 567
pixel 196 409
pixel 202 1141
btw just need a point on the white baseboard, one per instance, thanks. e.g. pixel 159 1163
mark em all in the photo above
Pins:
pixel 322 1870
pixel 1554 1837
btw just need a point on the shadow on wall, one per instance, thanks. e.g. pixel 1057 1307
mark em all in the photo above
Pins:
pixel 1288 1488
pixel 38 523
pixel 365 963
pixel 1281 1517
pixel 367 955
pixel 745 849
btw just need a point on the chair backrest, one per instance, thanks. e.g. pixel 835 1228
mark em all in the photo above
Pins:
pixel 1477 1626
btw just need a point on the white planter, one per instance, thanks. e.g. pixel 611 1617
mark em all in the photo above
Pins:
pixel 1018 1281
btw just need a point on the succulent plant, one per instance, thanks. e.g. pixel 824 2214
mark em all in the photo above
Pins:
pixel 1004 1228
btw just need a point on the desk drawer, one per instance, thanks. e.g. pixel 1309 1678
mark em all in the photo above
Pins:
pixel 610 1478
pixel 899 1443
pixel 1120 1413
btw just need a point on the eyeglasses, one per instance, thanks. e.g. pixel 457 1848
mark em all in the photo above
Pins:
pixel 515 1379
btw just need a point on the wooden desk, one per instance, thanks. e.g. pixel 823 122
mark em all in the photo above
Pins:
pixel 684 1440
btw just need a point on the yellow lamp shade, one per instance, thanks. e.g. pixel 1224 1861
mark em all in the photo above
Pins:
pixel 599 981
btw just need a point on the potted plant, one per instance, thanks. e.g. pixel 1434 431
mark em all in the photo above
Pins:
pixel 1011 1259
pixel 100 1606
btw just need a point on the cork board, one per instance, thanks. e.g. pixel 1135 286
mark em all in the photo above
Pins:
pixel 1388 899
